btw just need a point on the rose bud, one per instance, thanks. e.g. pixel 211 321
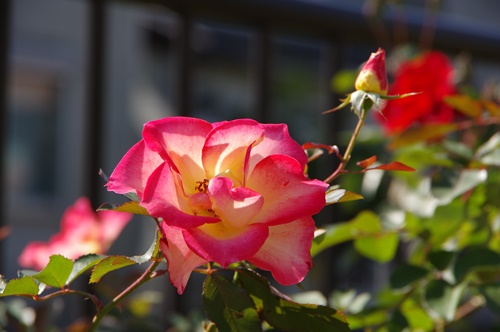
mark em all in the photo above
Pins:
pixel 373 76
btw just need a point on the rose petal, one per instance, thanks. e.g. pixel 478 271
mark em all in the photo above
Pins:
pixel 286 253
pixel 235 205
pixel 287 193
pixel 219 244
pixel 132 172
pixel 277 140
pixel 181 260
pixel 164 199
pixel 180 140
pixel 227 147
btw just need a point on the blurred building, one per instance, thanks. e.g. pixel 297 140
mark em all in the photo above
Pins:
pixel 83 76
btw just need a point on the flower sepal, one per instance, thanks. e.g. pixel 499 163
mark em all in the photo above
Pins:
pixel 363 101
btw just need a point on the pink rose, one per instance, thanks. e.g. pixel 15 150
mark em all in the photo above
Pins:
pixel 83 231
pixel 225 192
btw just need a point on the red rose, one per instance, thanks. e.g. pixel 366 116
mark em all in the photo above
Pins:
pixel 431 74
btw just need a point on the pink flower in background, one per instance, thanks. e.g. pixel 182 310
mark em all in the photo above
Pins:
pixel 83 231
pixel 225 192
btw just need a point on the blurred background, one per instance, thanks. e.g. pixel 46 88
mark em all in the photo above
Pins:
pixel 79 78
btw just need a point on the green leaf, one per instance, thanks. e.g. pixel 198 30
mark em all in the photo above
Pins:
pixel 112 263
pixel 467 180
pixel 492 294
pixel 458 149
pixel 343 81
pixel 83 264
pixel 489 152
pixel 421 133
pixel 418 318
pixel 56 273
pixel 129 207
pixel 442 298
pixel 229 306
pixel 344 103
pixel 150 253
pixel 365 223
pixel 476 259
pixel 348 301
pixel 109 264
pixel 397 322
pixel 441 259
pixel 333 235
pixel 337 195
pixel 407 274
pixel 465 104
pixel 286 315
pixel 22 286
pixel 380 247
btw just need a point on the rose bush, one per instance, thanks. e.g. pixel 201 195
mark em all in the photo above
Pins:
pixel 83 231
pixel 224 192
pixel 431 74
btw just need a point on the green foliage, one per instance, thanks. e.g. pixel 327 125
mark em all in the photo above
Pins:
pixel 61 271
pixel 229 306
pixel 284 314
pixel 406 274
pixel 56 273
pixel 370 239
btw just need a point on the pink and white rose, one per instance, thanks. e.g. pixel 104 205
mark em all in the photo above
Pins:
pixel 83 231
pixel 224 192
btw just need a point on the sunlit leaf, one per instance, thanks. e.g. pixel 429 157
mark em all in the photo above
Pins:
pixel 458 149
pixel 406 274
pixel 330 148
pixel 344 103
pixel 286 315
pixel 343 81
pixel 367 162
pixel 229 306
pixel 150 253
pixel 443 298
pixel 467 180
pixel 108 264
pixel 381 247
pixel 365 223
pixel 310 297
pixel 491 107
pixel 421 134
pixel 465 105
pixel 338 195
pixel 83 264
pixel 348 301
pixel 404 95
pixel 22 286
pixel 129 207
pixel 418 319
pixel 333 235
pixel 489 152
pixel 57 271
pixel 394 166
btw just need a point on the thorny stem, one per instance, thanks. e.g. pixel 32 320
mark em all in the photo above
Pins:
pixel 347 154
pixel 149 274
pixel 98 303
